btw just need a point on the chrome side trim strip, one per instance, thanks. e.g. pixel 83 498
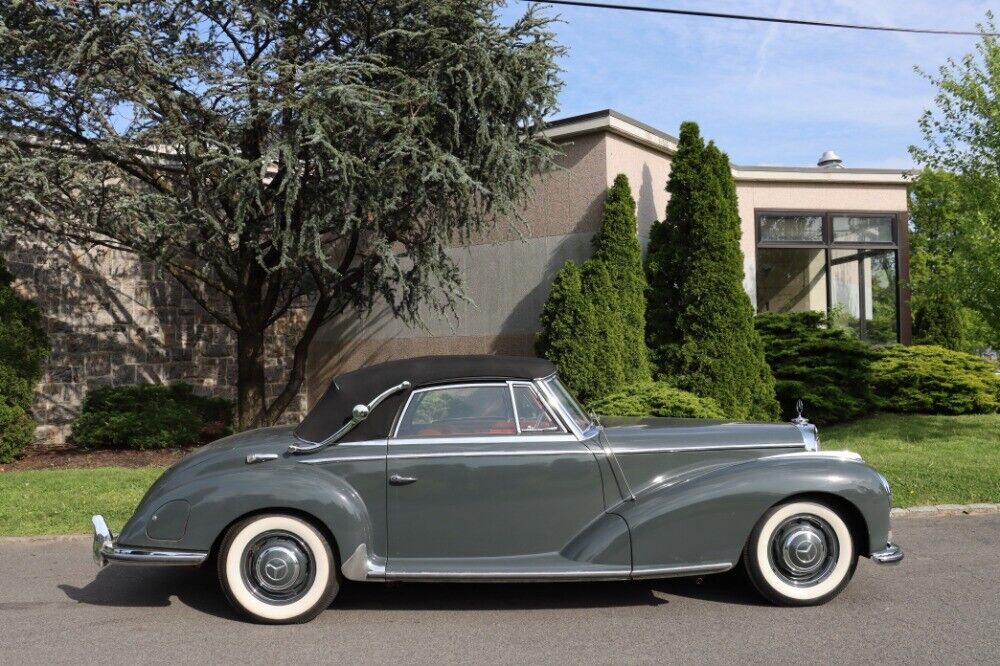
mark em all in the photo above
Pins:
pixel 719 447
pixel 639 573
pixel 830 455
pixel 482 454
pixel 621 573
pixel 485 439
pixel 332 459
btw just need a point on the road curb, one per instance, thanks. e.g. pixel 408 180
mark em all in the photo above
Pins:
pixel 946 510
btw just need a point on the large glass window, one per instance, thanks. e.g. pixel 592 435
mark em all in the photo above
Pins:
pixel 843 263
pixel 791 279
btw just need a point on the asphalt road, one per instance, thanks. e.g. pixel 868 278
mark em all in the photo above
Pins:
pixel 940 606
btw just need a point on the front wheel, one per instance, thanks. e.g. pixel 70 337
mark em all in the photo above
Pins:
pixel 800 554
pixel 277 569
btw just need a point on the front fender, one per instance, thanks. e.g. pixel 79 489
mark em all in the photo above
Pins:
pixel 217 499
pixel 707 518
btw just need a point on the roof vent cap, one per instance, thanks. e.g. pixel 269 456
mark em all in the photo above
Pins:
pixel 830 160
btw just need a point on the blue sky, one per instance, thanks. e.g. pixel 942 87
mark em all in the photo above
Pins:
pixel 768 94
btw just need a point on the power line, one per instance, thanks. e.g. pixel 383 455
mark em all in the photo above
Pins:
pixel 759 19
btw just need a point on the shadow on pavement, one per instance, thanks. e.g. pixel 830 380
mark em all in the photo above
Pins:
pixel 150 587
pixel 198 589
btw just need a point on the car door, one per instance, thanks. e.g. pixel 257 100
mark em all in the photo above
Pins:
pixel 484 480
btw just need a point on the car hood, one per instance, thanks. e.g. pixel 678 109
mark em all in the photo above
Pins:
pixel 632 434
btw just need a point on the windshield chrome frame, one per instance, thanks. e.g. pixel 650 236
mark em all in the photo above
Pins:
pixel 556 404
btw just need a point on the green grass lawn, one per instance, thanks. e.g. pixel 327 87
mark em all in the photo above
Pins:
pixel 927 459
pixel 62 501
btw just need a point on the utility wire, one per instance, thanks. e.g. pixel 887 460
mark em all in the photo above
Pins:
pixel 759 19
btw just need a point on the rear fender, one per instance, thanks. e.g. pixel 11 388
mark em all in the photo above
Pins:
pixel 218 500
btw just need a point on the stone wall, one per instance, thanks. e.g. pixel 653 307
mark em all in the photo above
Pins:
pixel 113 319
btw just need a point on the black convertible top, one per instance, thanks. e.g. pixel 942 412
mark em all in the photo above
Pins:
pixel 334 409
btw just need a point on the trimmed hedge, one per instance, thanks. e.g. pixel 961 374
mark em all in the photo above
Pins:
pixel 149 416
pixel 17 430
pixel 826 368
pixel 934 380
pixel 657 399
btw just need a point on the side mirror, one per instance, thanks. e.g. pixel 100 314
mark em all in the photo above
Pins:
pixel 359 413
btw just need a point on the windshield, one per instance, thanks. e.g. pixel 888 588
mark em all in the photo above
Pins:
pixel 569 403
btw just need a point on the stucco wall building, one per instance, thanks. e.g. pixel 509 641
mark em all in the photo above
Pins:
pixel 844 215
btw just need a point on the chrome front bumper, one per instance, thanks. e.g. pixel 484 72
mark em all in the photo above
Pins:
pixel 106 551
pixel 891 554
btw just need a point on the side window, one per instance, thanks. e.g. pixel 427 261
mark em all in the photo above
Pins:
pixel 532 416
pixel 456 411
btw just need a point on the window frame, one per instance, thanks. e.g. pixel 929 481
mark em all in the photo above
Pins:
pixel 829 245
pixel 563 433
pixel 560 428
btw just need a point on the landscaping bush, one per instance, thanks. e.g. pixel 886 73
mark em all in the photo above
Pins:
pixel 17 430
pixel 826 368
pixel 657 399
pixel 934 380
pixel 149 416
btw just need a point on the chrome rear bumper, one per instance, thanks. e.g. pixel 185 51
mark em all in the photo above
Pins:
pixel 891 554
pixel 106 551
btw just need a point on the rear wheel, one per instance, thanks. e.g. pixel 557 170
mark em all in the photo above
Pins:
pixel 277 569
pixel 800 554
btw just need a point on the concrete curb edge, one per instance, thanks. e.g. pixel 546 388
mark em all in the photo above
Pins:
pixel 945 510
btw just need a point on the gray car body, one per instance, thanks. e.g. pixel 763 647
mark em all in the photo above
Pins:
pixel 631 498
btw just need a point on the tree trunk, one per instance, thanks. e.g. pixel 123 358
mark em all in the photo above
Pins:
pixel 250 380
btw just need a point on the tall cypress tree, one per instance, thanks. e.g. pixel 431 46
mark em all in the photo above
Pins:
pixel 703 327
pixel 565 322
pixel 605 337
pixel 617 247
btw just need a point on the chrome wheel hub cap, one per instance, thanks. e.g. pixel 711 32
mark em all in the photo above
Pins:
pixel 277 567
pixel 803 550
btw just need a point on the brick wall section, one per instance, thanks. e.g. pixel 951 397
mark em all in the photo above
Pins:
pixel 113 319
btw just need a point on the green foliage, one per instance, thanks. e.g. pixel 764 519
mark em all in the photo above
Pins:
pixel 567 318
pixel 937 218
pixel 149 416
pixel 657 399
pixel 961 136
pixel 387 131
pixel 617 247
pixel 700 319
pixel 605 337
pixel 17 430
pixel 934 380
pixel 24 346
pixel 826 368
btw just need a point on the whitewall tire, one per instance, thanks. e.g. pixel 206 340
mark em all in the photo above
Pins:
pixel 800 554
pixel 277 569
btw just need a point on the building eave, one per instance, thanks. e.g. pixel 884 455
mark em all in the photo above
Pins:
pixel 613 122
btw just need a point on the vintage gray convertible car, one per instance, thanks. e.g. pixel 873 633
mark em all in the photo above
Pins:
pixel 484 468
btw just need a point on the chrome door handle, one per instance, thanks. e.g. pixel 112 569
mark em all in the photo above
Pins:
pixel 397 480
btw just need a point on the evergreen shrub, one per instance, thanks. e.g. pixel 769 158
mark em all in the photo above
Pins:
pixel 934 380
pixel 657 399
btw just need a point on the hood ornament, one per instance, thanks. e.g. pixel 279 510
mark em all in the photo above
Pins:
pixel 800 420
